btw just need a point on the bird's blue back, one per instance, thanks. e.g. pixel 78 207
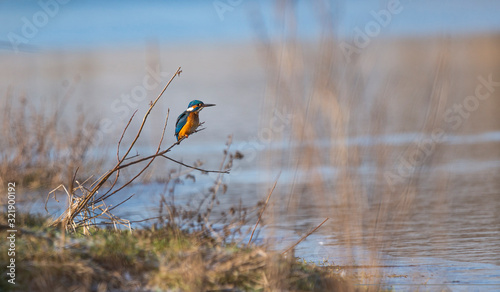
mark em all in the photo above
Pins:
pixel 183 118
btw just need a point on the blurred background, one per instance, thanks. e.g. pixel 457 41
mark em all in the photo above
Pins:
pixel 380 115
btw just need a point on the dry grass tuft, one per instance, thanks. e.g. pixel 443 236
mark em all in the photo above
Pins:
pixel 156 259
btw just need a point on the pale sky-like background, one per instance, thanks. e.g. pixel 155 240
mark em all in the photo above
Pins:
pixel 83 24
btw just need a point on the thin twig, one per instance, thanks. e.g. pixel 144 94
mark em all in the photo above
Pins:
pixel 219 177
pixel 123 134
pixel 55 198
pixel 178 72
pixel 133 221
pixel 150 156
pixel 111 209
pixel 162 153
pixel 193 167
pixel 163 133
pixel 305 236
pixel 118 153
pixel 263 209
pixel 129 182
pixel 149 163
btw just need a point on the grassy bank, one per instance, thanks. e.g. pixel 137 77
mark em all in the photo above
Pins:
pixel 152 260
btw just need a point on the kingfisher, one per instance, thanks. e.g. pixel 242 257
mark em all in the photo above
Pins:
pixel 188 121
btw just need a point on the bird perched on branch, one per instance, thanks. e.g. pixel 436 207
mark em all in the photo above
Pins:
pixel 188 121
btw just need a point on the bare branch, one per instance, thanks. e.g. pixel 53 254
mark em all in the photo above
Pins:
pixel 105 196
pixel 178 72
pixel 193 167
pixel 81 204
pixel 122 202
pixel 123 134
pixel 163 133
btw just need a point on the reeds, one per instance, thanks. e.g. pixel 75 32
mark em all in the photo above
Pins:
pixel 34 151
pixel 333 102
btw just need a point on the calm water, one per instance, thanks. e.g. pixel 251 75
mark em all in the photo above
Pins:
pixel 88 24
pixel 448 240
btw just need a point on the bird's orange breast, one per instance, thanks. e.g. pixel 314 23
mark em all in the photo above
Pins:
pixel 191 124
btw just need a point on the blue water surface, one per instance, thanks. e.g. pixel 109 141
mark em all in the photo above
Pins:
pixel 72 24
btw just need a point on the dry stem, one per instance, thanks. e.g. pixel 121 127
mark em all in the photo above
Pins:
pixel 305 236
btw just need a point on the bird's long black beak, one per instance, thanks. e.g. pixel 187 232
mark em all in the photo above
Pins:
pixel 208 104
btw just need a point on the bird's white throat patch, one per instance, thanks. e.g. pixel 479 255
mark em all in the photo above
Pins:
pixel 190 109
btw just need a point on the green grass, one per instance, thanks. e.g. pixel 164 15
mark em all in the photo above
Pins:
pixel 151 259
